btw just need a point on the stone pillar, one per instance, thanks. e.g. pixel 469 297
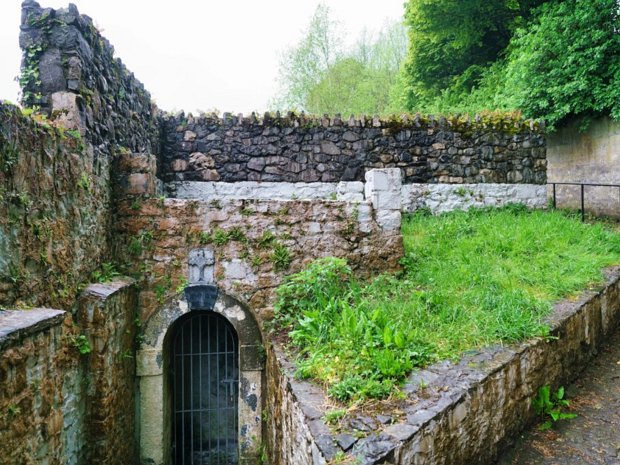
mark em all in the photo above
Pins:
pixel 137 175
pixel 153 412
pixel 383 190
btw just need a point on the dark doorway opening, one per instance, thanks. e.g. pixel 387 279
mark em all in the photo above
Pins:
pixel 205 390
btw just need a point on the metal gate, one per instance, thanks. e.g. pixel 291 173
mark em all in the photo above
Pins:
pixel 205 386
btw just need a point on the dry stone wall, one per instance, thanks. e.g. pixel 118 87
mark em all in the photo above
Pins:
pixel 70 71
pixel 300 149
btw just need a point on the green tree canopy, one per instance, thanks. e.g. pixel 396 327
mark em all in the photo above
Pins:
pixel 552 59
pixel 452 39
pixel 567 62
pixel 319 76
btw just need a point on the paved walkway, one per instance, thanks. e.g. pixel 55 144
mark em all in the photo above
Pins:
pixel 591 438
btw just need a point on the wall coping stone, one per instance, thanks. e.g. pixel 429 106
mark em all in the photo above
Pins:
pixel 17 324
pixel 108 289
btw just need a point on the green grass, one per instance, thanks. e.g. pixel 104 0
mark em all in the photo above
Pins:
pixel 470 279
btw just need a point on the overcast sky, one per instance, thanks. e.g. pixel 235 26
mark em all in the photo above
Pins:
pixel 199 54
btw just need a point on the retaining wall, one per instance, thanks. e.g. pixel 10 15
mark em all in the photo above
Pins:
pixel 454 413
pixel 589 157
pixel 255 243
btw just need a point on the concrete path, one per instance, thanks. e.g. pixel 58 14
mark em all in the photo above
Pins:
pixel 591 438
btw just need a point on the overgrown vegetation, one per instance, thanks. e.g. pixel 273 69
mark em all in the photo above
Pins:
pixel 551 59
pixel 470 279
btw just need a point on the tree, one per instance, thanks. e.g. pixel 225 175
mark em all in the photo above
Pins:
pixel 456 39
pixel 556 61
pixel 567 61
pixel 356 81
pixel 304 65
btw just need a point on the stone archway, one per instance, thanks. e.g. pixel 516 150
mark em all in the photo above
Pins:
pixel 154 407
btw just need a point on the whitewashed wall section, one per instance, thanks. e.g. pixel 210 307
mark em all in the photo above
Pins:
pixel 438 198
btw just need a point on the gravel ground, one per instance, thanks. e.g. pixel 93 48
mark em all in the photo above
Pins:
pixel 591 438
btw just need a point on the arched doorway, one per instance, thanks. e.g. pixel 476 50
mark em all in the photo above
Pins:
pixel 204 377
pixel 156 408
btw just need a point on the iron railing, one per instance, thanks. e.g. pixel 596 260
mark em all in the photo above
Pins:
pixel 582 187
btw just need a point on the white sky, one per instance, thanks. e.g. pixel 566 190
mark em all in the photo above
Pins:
pixel 199 54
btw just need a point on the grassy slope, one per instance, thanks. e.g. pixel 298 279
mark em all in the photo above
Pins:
pixel 471 279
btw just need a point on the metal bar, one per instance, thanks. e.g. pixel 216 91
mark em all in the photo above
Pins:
pixel 200 382
pixel 227 392
pixel 182 395
pixel 191 389
pixel 554 198
pixel 217 396
pixel 209 445
pixel 589 184
pixel 583 213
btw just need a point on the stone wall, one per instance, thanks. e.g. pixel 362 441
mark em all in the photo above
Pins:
pixel 437 198
pixel 67 392
pixel 106 316
pixel 255 242
pixel 69 70
pixel 589 157
pixel 292 427
pixel 54 217
pixel 41 408
pixel 452 412
pixel 56 157
pixel 300 149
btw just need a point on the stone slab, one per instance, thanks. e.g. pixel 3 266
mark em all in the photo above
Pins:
pixel 17 324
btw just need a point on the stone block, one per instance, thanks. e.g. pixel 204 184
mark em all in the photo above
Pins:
pixel 64 105
pixel 376 180
pixel 178 165
pixel 137 163
pixel 209 175
pixel 140 184
pixel 389 220
pixel 386 200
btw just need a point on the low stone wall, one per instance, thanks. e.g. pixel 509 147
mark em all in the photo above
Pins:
pixel 67 392
pixel 301 149
pixel 454 413
pixel 106 316
pixel 439 198
pixel 589 157
pixel 41 407
pixel 292 427
pixel 206 190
